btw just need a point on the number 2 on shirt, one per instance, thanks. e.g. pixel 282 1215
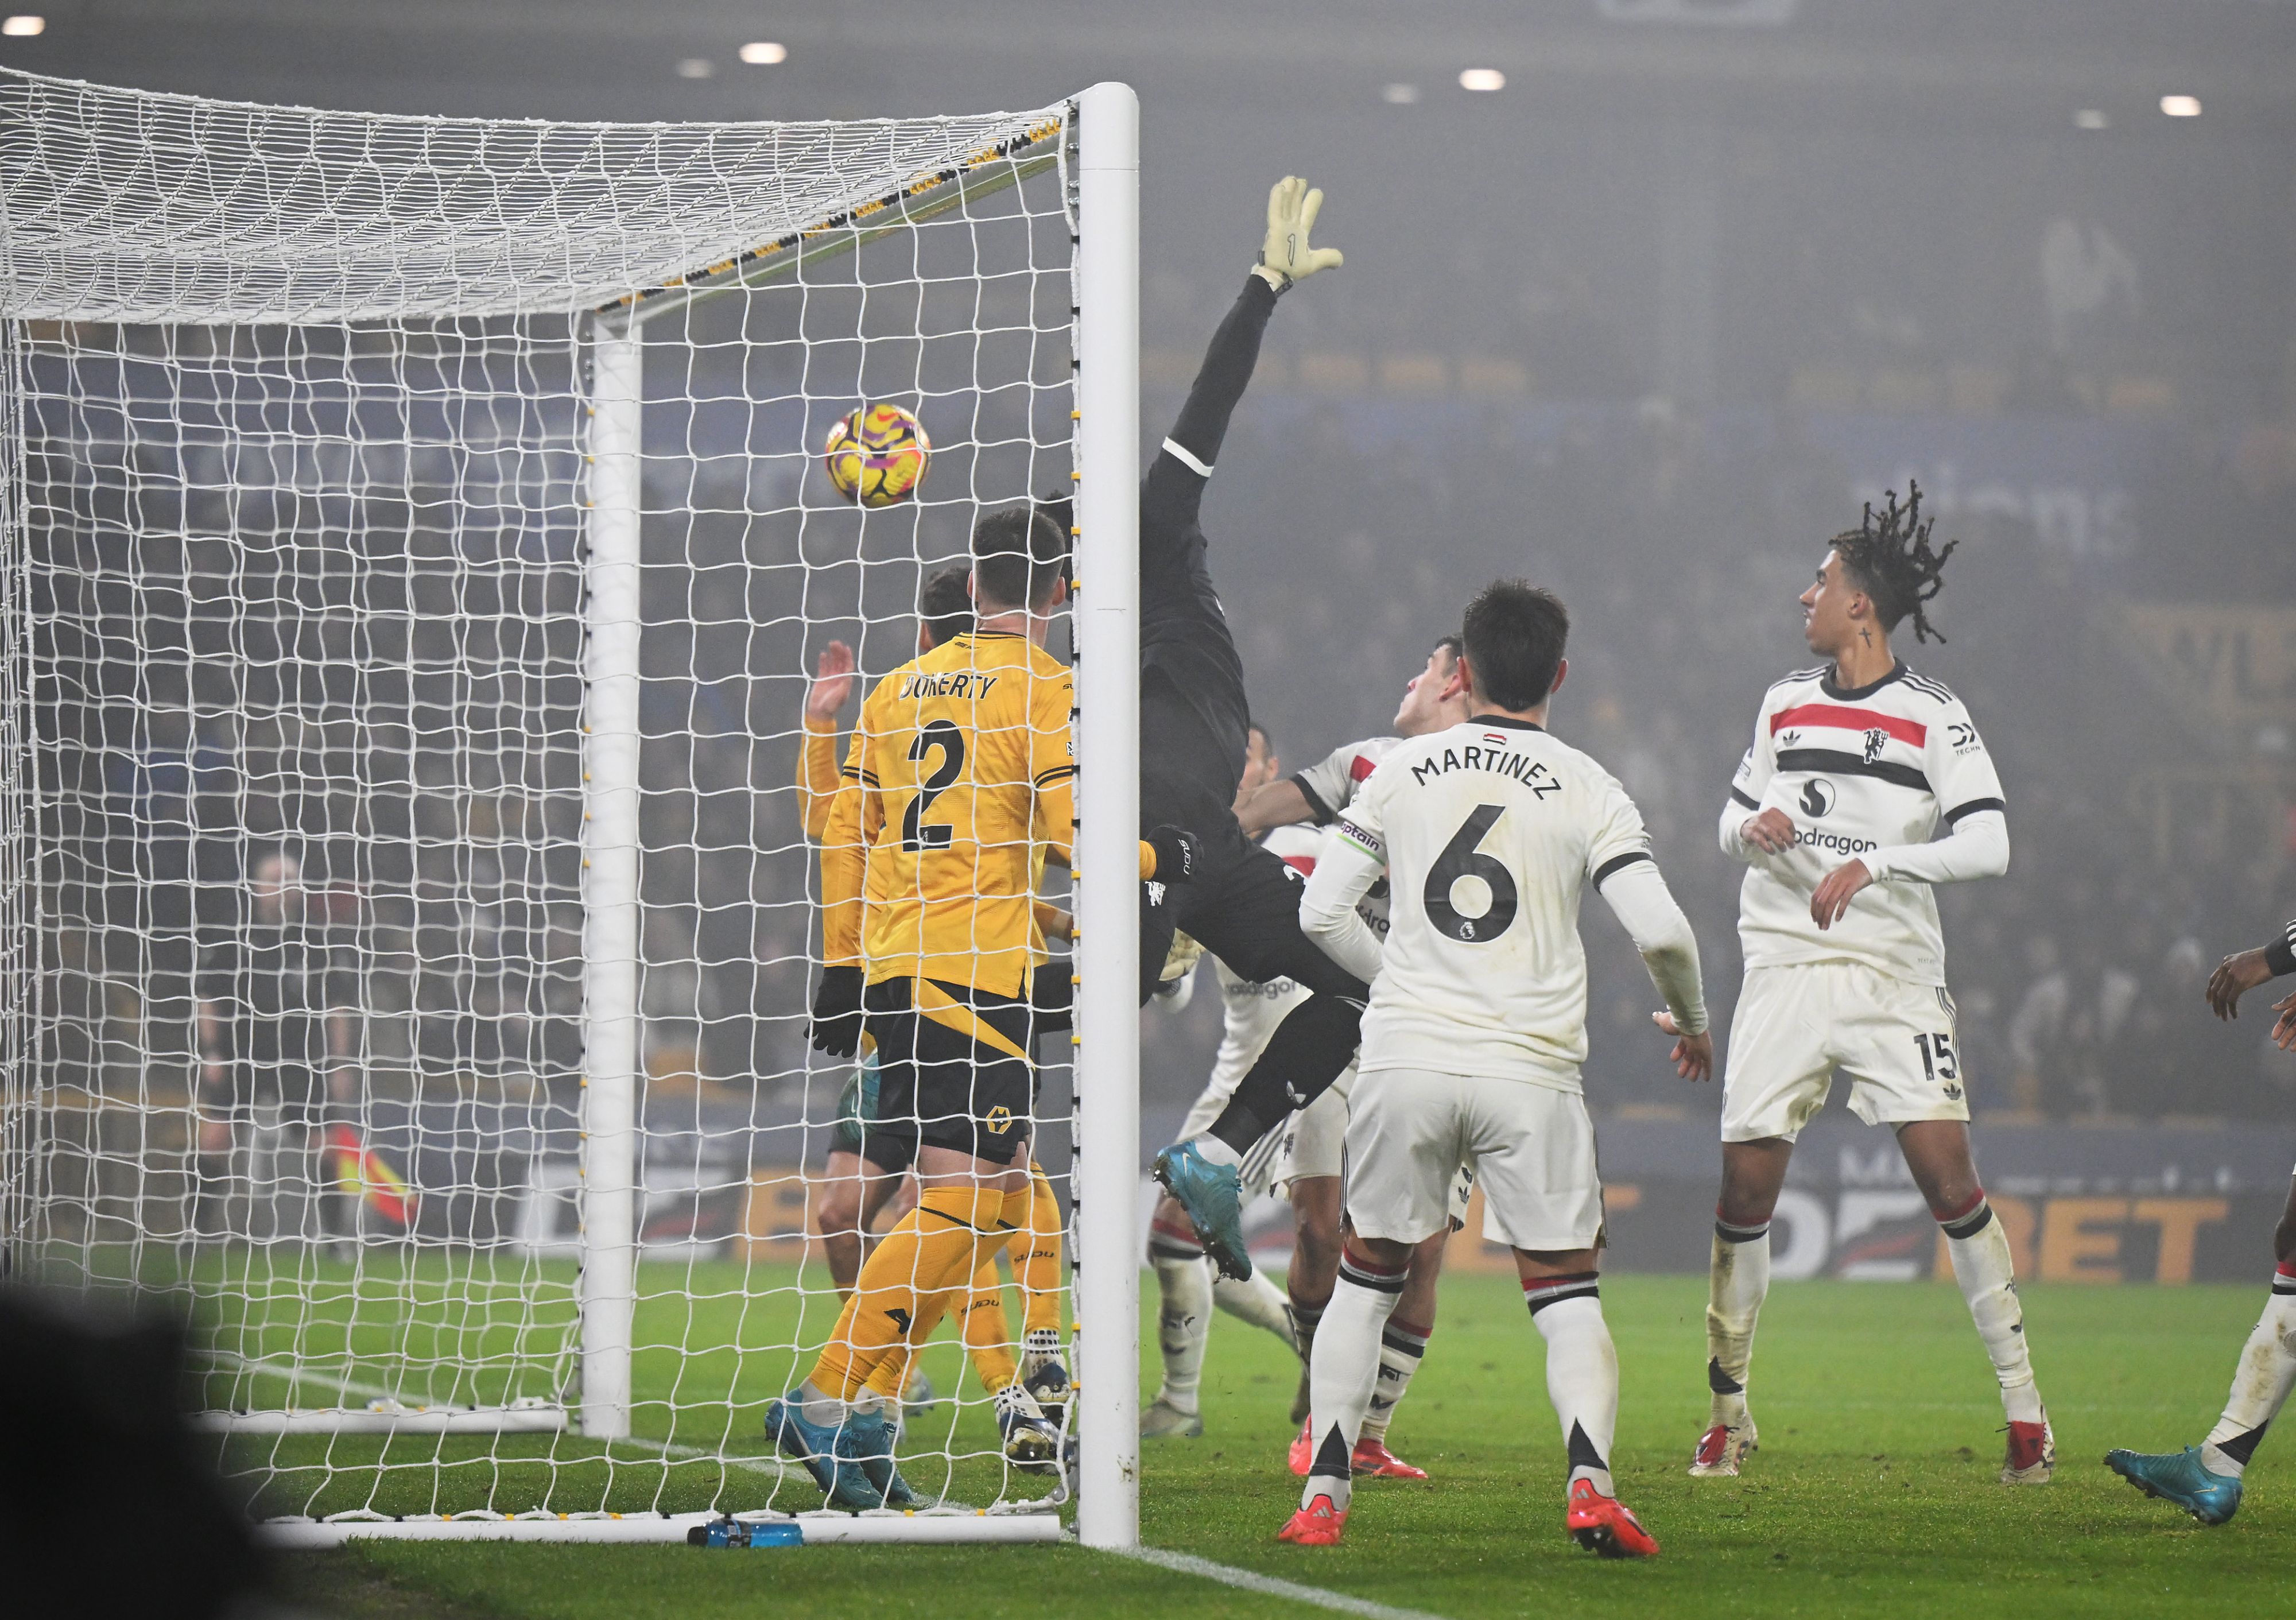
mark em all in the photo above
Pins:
pixel 918 835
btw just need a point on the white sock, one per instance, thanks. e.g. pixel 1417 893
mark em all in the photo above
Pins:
pixel 1400 1348
pixel 1988 1282
pixel 1737 1279
pixel 1257 1300
pixel 1582 1371
pixel 816 1407
pixel 2267 1368
pixel 1216 1152
pixel 1183 1326
pixel 1346 1366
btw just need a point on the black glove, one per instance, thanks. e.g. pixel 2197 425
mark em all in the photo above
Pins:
pixel 1177 854
pixel 1051 996
pixel 836 1012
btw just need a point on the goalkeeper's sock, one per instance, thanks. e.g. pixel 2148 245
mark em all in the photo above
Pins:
pixel 1037 1264
pixel 1184 1294
pixel 1582 1371
pixel 1400 1348
pixel 1345 1367
pixel 934 1250
pixel 2267 1368
pixel 1311 1048
pixel 1257 1300
pixel 1738 1278
pixel 1988 1282
pixel 987 1335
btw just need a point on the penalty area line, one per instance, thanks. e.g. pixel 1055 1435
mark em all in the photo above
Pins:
pixel 1249 1580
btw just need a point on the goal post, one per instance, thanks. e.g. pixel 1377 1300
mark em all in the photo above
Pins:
pixel 1107 810
pixel 411 925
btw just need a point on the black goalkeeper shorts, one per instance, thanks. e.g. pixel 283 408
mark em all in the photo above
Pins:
pixel 1243 907
pixel 953 1071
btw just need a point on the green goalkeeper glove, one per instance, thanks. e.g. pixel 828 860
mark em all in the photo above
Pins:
pixel 1286 256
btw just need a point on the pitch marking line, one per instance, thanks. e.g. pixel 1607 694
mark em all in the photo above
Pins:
pixel 772 1467
pixel 1246 1579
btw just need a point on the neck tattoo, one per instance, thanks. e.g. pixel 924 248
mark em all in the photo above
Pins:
pixel 1866 636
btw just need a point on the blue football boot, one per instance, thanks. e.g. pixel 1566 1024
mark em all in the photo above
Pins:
pixel 823 1451
pixel 866 1444
pixel 2179 1478
pixel 1212 1196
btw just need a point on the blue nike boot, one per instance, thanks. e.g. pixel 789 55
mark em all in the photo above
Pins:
pixel 1213 1196
pixel 867 1443
pixel 2180 1478
pixel 824 1451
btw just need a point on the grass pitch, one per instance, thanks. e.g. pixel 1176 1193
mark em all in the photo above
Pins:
pixel 1875 1493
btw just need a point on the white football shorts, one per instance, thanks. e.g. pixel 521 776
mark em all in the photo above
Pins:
pixel 1530 1147
pixel 1797 1024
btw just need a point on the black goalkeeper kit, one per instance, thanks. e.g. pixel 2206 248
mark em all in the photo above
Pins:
pixel 1240 903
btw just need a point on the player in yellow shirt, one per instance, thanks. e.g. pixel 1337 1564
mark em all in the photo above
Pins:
pixel 956 787
pixel 865 1172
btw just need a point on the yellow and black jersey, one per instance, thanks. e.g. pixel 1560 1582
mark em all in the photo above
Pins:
pixel 958 783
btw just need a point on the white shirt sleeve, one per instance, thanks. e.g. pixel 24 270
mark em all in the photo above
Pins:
pixel 1754 774
pixel 1349 863
pixel 1970 806
pixel 1619 838
pixel 1330 784
pixel 1638 897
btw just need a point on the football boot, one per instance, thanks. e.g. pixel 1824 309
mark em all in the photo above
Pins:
pixel 2180 1478
pixel 1212 1196
pixel 1605 1525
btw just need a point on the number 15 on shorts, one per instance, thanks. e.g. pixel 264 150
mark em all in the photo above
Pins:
pixel 1938 1061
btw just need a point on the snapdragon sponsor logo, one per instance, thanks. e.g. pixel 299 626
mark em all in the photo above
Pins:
pixel 1839 843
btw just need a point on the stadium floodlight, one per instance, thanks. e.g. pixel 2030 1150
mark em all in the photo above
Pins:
pixel 412 555
pixel 23 27
pixel 765 52
pixel 2181 106
pixel 1484 80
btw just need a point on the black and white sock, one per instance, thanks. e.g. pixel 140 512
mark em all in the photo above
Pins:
pixel 1183 1291
pixel 2267 1368
pixel 1981 1265
pixel 1582 1370
pixel 1400 1348
pixel 1345 1367
pixel 1737 1280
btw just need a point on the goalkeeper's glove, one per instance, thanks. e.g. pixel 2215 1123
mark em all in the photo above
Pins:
pixel 836 1012
pixel 1181 960
pixel 1286 256
pixel 1175 852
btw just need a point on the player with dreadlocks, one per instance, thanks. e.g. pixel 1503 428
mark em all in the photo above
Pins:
pixel 1856 766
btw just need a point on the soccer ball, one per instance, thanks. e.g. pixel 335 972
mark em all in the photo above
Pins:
pixel 877 454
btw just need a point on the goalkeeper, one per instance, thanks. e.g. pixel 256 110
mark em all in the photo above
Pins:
pixel 1235 897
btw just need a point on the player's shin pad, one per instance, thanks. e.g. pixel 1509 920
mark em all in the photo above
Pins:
pixel 1738 1279
pixel 1345 1367
pixel 2259 1389
pixel 936 1248
pixel 1982 1266
pixel 1582 1372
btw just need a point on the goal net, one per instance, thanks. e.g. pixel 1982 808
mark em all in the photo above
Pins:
pixel 414 551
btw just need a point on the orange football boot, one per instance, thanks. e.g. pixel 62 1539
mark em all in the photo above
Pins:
pixel 1303 1450
pixel 1318 1525
pixel 1603 1525
pixel 1374 1460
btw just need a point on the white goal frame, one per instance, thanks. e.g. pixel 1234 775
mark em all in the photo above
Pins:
pixel 1105 1179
